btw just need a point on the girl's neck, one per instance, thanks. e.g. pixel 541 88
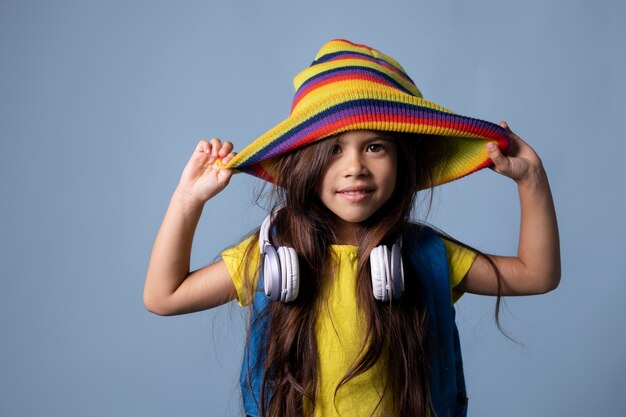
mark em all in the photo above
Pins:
pixel 346 233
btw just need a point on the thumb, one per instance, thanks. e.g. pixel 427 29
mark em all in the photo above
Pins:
pixel 500 161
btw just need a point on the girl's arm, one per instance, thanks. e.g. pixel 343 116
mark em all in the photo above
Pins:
pixel 537 267
pixel 170 288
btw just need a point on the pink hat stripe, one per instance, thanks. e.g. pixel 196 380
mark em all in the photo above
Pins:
pixel 352 55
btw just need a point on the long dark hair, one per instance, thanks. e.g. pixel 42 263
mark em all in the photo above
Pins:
pixel 303 222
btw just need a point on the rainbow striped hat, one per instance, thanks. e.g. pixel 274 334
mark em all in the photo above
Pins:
pixel 354 87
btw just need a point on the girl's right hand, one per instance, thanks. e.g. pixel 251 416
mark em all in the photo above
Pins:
pixel 204 175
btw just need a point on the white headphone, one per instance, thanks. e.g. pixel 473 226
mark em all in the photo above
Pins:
pixel 281 280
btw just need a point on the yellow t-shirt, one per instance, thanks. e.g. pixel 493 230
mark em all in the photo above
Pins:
pixel 339 328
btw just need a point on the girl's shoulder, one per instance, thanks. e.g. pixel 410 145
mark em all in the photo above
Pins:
pixel 242 261
pixel 419 232
pixel 458 256
pixel 241 248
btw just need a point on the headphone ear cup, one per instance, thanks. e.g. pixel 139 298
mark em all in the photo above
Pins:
pixel 397 272
pixel 290 274
pixel 271 273
pixel 379 263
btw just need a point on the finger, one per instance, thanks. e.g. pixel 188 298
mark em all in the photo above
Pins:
pixel 216 144
pixel 228 157
pixel 517 143
pixel 227 147
pixel 514 140
pixel 500 161
pixel 511 134
pixel 203 146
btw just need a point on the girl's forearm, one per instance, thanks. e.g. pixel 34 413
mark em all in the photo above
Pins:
pixel 539 247
pixel 170 258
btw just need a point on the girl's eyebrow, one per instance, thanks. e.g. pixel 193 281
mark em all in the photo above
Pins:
pixel 380 137
pixel 374 137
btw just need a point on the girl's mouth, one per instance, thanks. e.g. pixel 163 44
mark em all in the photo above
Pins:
pixel 355 194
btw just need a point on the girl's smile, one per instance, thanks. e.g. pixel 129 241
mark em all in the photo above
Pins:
pixel 360 177
pixel 355 193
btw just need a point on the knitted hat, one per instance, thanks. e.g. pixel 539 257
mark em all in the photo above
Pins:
pixel 354 87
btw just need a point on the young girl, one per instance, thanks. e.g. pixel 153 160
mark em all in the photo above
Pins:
pixel 351 303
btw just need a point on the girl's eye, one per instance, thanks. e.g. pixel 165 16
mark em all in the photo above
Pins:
pixel 375 147
pixel 336 149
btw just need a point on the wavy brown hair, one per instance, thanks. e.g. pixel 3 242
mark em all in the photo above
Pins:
pixel 290 373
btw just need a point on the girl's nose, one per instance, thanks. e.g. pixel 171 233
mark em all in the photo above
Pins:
pixel 354 166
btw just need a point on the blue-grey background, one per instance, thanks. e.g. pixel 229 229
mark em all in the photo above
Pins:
pixel 102 103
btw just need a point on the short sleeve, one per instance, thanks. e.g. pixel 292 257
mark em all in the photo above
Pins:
pixel 460 259
pixel 234 258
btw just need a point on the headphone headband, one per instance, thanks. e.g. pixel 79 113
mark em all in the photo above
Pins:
pixel 264 238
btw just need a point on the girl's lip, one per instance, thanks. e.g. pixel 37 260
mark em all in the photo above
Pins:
pixel 355 194
pixel 355 189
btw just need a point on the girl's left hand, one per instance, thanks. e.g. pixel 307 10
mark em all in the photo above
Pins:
pixel 537 267
pixel 521 163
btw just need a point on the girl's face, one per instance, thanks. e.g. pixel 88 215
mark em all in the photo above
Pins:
pixel 360 177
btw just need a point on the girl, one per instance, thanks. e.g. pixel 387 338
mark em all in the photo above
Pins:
pixel 361 320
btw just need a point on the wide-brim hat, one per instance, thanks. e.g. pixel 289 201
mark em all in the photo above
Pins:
pixel 355 87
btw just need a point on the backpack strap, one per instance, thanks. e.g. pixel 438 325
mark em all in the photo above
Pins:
pixel 255 353
pixel 425 254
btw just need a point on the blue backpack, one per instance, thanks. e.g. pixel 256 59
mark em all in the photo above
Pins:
pixel 423 252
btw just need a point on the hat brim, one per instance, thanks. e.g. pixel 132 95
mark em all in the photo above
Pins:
pixel 461 138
